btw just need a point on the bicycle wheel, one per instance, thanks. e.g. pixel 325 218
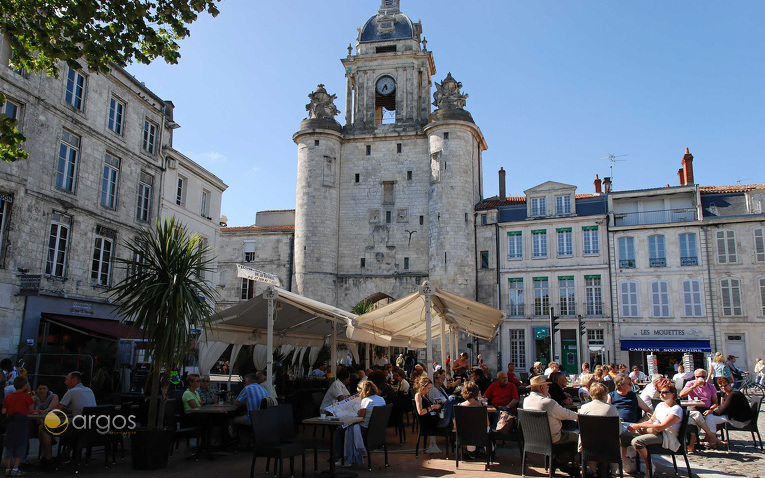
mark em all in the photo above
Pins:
pixel 754 390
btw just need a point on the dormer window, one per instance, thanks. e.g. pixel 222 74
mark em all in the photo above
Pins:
pixel 563 204
pixel 538 206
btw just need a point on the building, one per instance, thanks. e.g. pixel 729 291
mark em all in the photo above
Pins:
pixel 100 150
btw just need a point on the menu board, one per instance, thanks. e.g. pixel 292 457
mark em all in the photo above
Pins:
pixel 688 362
pixel 653 367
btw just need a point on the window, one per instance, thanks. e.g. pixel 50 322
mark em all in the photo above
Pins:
pixel 248 289
pixel 180 191
pixel 565 246
pixel 75 88
pixel 5 211
pixel 357 177
pixel 596 337
pixel 483 219
pixel 388 216
pixel 629 293
pixel 149 136
pixel 388 192
pixel 484 259
pixel 11 109
pixel 563 204
pixel 58 244
pixel 538 207
pixel 446 135
pixel 363 262
pixel 408 175
pixel 116 115
pixel 726 247
pixel 567 298
pixel 541 296
pixel 594 295
pixel 626 252
pixel 591 241
pixel 103 249
pixel 688 254
pixel 731 296
pixel 657 252
pixel 68 157
pixel 514 245
pixel 518 348
pixel 249 251
pixel 759 244
pixel 762 296
pixel 692 298
pixel 204 207
pixel 204 263
pixel 539 243
pixel 406 263
pixel 369 149
pixel 515 301
pixel 422 220
pixel 659 298
pixel 398 148
pixel 110 181
pixel 144 197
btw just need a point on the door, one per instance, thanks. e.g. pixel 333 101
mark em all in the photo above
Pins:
pixel 570 357
pixel 735 344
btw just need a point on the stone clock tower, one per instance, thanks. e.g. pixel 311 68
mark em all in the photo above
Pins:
pixel 387 200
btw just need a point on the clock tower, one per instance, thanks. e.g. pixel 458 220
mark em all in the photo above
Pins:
pixel 387 200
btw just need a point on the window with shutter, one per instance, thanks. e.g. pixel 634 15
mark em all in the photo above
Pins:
pixel 629 299
pixel 759 244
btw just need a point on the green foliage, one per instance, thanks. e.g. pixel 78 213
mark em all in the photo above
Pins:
pixel 162 294
pixel 43 32
pixel 363 307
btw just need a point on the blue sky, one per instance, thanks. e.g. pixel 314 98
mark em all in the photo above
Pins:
pixel 554 86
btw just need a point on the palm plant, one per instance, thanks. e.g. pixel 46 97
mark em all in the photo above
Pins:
pixel 163 295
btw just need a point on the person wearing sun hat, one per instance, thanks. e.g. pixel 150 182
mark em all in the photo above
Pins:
pixel 539 399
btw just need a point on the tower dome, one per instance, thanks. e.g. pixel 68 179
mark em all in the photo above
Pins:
pixel 388 24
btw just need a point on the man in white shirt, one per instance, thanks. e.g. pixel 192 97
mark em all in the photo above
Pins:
pixel 539 399
pixel 337 391
pixel 637 375
pixel 681 373
pixel 551 368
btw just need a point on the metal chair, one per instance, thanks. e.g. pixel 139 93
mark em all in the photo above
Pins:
pixel 424 431
pixel 377 432
pixel 600 440
pixel 610 385
pixel 265 429
pixel 471 425
pixel 286 420
pixel 750 427
pixel 182 426
pixel 537 438
pixel 89 437
pixel 682 450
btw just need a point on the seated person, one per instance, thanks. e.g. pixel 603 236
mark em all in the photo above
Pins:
pixel 77 397
pixel 626 401
pixel 428 411
pixel 558 383
pixel 735 409
pixel 503 395
pixel 598 406
pixel 651 390
pixel 511 377
pixel 337 391
pixel 551 368
pixel 384 390
pixel 480 379
pixel 637 375
pixel 205 393
pixel 191 398
pixel 401 384
pixel 586 380
pixel 252 394
pixel 681 373
pixel 320 371
pixel 701 390
pixel 370 398
pixel 44 399
pixel 539 399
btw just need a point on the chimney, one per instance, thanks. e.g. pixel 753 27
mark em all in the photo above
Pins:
pixel 688 167
pixel 681 176
pixel 502 191
pixel 607 185
pixel 597 185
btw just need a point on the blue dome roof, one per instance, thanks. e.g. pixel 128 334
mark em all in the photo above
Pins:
pixel 402 29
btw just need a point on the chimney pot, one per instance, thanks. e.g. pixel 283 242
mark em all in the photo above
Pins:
pixel 502 191
pixel 688 167
pixel 597 183
pixel 607 184
pixel 681 176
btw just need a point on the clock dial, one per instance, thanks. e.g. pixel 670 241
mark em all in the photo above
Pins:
pixel 386 85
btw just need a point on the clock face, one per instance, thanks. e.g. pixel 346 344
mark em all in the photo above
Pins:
pixel 386 85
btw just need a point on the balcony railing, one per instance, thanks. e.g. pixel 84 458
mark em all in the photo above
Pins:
pixel 516 310
pixel 689 261
pixel 30 284
pixel 655 217
pixel 593 308
pixel 658 262
pixel 626 263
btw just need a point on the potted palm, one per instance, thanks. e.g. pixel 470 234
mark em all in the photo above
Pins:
pixel 163 295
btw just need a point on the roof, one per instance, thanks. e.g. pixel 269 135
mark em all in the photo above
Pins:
pixel 95 326
pixel 402 29
pixel 257 228
pixel 739 188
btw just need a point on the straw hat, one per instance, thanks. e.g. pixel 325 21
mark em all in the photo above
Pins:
pixel 538 380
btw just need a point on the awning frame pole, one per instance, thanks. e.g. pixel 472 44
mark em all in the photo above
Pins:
pixel 270 294
pixel 426 291
pixel 443 343
pixel 333 351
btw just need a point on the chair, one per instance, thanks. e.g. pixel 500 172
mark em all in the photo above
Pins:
pixel 425 431
pixel 680 383
pixel 682 450
pixel 654 402
pixel 471 430
pixel 89 437
pixel 377 431
pixel 401 407
pixel 265 429
pixel 594 432
pixel 286 420
pixel 751 427
pixel 610 385
pixel 182 426
pixel 537 438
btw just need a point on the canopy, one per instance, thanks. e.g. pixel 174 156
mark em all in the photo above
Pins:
pixel 666 345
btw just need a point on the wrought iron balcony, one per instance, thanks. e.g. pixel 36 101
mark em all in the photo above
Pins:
pixel 627 263
pixel 515 310
pixel 689 261
pixel 655 217
pixel 658 262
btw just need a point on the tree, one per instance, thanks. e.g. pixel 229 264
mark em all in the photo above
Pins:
pixel 41 33
pixel 164 295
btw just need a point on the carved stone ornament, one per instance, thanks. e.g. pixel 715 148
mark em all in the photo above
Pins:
pixel 447 95
pixel 322 104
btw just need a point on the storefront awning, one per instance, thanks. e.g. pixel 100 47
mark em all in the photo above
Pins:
pixel 94 326
pixel 666 345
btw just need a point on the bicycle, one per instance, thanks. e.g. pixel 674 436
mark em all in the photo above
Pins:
pixel 750 388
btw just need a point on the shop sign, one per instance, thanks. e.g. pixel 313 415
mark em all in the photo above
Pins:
pixel 540 333
pixel 650 331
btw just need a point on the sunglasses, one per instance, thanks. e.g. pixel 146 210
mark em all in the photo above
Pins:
pixel 665 392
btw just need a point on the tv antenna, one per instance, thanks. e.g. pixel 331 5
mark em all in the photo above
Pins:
pixel 740 180
pixel 612 158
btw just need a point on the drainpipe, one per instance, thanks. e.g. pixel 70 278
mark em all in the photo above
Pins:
pixel 711 294
pixel 499 296
pixel 610 284
pixel 291 262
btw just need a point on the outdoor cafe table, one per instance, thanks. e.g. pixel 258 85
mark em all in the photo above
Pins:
pixel 334 422
pixel 211 415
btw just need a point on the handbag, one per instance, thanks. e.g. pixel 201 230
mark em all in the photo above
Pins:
pixel 506 423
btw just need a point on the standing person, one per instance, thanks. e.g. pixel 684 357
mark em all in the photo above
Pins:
pixel 400 361
pixel 759 370
pixel 539 399
pixel 191 398
pixel 409 363
pixel 428 411
pixel 17 406
pixel 719 368
pixel 511 377
pixel 252 394
pixel 337 391
pixel 77 397
pixel 461 366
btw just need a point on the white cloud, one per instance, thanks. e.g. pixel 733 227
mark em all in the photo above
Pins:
pixel 210 157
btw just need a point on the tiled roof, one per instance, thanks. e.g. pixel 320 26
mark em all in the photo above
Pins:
pixel 257 229
pixel 739 188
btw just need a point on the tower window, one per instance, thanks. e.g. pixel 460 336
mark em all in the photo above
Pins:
pixel 408 175
pixel 422 220
pixel 387 217
pixel 388 197
pixel 316 142
pixel 363 262
pixel 357 177
pixel 466 217
pixel 406 263
pixel 446 135
pixel 444 258
pixel 369 149
pixel 385 49
pixel 398 148
pixel 484 259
